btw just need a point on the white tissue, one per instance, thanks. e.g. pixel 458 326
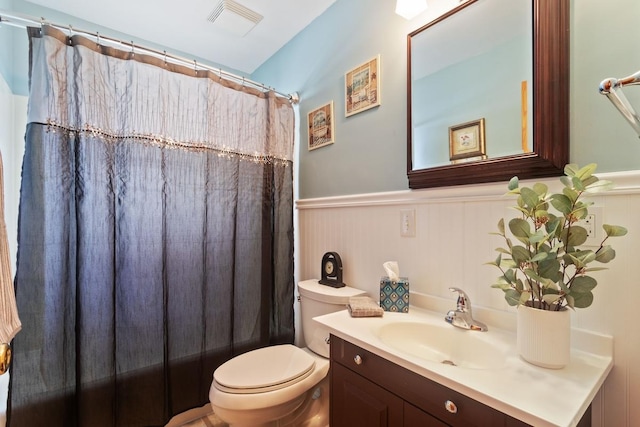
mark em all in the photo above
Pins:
pixel 391 267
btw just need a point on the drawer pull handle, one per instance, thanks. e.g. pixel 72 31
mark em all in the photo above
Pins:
pixel 358 359
pixel 450 407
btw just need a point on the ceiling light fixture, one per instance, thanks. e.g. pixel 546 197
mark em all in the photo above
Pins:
pixel 409 9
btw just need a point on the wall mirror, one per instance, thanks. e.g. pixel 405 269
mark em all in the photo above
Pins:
pixel 496 73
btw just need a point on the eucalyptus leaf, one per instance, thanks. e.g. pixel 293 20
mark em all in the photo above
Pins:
pixel 577 183
pixel 600 186
pixel 571 193
pixel 510 276
pixel 566 181
pixel 520 254
pixel 605 254
pixel 574 236
pixel 570 301
pixel 582 258
pixel 540 189
pixel 520 228
pixel 513 183
pixel 540 256
pixel 529 197
pixel 550 269
pixel 524 297
pixel 512 297
pixel 580 212
pixel 587 182
pixel 538 237
pixel 582 300
pixel 582 284
pixel 562 203
pixel 552 226
pixel 614 230
pixel 586 171
pixel 571 169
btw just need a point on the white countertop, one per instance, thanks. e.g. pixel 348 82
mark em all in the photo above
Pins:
pixel 537 396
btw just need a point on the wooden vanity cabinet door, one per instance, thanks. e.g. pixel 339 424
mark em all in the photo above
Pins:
pixel 414 417
pixel 357 402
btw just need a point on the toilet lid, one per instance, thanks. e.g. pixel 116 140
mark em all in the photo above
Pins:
pixel 264 369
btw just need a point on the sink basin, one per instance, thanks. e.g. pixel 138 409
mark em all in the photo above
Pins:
pixel 445 344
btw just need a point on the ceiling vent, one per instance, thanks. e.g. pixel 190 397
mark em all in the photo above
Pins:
pixel 234 17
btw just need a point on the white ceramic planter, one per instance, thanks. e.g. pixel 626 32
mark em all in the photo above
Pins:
pixel 544 337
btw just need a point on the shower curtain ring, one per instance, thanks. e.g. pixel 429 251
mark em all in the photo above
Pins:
pixel 195 66
pixel 98 38
pixel 133 53
pixel 165 58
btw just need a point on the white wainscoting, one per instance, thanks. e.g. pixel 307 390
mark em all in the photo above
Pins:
pixel 452 245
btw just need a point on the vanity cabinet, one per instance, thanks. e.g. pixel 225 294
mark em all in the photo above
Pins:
pixel 370 391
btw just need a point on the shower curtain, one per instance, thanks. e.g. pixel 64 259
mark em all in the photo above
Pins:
pixel 155 234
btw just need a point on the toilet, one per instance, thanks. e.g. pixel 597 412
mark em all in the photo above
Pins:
pixel 283 385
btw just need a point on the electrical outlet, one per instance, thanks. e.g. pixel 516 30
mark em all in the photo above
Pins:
pixel 593 224
pixel 408 223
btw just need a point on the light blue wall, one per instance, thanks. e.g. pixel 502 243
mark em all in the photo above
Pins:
pixel 605 42
pixel 369 154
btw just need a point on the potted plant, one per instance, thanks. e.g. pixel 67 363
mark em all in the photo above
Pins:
pixel 546 269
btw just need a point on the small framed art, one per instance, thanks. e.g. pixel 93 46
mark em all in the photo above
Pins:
pixel 362 87
pixel 320 125
pixel 466 141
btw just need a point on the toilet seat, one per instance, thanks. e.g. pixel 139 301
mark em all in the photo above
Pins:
pixel 264 369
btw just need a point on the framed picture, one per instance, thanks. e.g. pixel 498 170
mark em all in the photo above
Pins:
pixel 362 87
pixel 466 141
pixel 320 124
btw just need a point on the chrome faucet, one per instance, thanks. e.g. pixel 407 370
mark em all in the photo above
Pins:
pixel 461 317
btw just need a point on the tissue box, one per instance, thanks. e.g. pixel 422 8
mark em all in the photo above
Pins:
pixel 394 295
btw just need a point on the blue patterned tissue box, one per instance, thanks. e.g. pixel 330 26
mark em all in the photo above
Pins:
pixel 394 295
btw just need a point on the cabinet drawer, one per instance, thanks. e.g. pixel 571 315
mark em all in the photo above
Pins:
pixel 421 392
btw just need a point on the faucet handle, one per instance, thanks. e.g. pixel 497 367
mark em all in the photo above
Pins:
pixel 462 303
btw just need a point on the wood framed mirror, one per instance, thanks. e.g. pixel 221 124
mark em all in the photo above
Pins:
pixel 550 108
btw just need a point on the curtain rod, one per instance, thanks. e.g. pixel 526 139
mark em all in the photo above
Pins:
pixel 24 21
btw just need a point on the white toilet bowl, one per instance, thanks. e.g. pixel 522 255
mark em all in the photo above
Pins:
pixel 283 385
pixel 272 386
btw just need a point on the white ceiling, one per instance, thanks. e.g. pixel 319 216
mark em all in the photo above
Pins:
pixel 182 25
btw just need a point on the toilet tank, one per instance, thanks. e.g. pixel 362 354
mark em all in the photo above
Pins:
pixel 316 300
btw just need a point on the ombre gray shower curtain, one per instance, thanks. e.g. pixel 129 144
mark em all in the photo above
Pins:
pixel 155 234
